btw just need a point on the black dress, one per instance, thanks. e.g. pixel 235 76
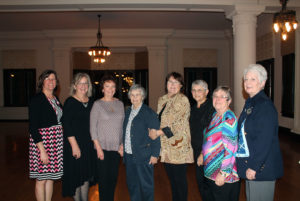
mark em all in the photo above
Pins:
pixel 76 122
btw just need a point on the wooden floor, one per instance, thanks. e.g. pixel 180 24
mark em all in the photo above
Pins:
pixel 16 186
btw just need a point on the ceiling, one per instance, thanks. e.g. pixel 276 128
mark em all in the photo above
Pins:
pixel 35 21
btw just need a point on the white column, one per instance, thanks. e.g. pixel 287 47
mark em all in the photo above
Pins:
pixel 62 66
pixel 157 71
pixel 296 128
pixel 244 38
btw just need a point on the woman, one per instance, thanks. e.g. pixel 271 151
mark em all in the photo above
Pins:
pixel 201 114
pixel 45 156
pixel 259 161
pixel 79 154
pixel 174 132
pixel 140 151
pixel 220 144
pixel 106 131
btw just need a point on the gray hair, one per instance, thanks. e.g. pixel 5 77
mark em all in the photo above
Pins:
pixel 224 89
pixel 77 79
pixel 259 70
pixel 137 87
pixel 201 83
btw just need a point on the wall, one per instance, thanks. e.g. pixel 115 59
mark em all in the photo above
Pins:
pixel 167 50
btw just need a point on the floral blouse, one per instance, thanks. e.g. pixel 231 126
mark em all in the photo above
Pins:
pixel 176 149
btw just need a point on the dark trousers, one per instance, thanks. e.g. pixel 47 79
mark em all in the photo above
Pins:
pixel 107 172
pixel 139 179
pixel 227 192
pixel 178 180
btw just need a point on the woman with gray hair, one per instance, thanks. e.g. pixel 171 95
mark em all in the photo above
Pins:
pixel 259 158
pixel 79 154
pixel 140 151
pixel 201 114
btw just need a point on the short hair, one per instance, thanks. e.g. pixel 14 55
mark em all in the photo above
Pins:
pixel 77 79
pixel 107 78
pixel 137 87
pixel 259 70
pixel 225 89
pixel 201 83
pixel 176 76
pixel 42 78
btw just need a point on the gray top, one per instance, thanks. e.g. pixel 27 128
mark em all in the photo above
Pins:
pixel 106 123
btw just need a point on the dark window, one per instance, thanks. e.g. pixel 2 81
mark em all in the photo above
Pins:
pixel 288 85
pixel 207 74
pixel 124 78
pixel 269 87
pixel 19 86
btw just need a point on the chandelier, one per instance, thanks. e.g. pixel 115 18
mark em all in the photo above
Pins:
pixel 99 52
pixel 285 20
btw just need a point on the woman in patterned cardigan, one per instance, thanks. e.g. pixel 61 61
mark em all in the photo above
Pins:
pixel 220 144
pixel 176 150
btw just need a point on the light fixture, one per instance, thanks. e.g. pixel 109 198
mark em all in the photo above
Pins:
pixel 99 52
pixel 285 20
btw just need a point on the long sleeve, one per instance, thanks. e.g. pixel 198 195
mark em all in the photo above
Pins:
pixel 34 118
pixel 68 115
pixel 94 117
pixel 155 144
pixel 229 140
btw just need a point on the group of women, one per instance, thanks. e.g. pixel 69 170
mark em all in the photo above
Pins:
pixel 96 134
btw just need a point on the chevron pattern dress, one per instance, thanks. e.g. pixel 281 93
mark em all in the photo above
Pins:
pixel 220 144
pixel 52 138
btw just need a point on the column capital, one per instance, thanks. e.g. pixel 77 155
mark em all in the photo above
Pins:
pixel 244 9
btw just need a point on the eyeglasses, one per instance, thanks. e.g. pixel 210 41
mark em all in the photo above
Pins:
pixel 198 90
pixel 83 83
pixel 50 79
pixel 173 82
pixel 220 97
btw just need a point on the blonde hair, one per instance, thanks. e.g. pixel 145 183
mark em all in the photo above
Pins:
pixel 76 80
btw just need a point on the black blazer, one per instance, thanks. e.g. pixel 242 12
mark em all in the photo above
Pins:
pixel 143 147
pixel 261 127
pixel 41 115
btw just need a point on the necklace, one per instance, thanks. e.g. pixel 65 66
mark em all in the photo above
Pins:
pixel 84 102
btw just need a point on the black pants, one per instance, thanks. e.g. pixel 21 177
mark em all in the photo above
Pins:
pixel 107 171
pixel 178 180
pixel 227 192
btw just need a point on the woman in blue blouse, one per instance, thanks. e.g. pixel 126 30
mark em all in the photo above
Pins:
pixel 259 159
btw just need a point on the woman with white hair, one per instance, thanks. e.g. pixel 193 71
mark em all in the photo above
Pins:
pixel 139 150
pixel 259 158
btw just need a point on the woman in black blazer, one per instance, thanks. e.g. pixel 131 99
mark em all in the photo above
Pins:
pixel 46 136
pixel 259 158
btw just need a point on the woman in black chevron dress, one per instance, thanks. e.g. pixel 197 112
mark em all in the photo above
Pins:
pixel 46 136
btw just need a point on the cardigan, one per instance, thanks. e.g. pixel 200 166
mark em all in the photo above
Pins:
pixel 261 128
pixel 176 149
pixel 219 147
pixel 41 115
pixel 143 147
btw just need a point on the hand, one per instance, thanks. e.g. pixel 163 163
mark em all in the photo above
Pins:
pixel 153 133
pixel 220 180
pixel 200 160
pixel 100 154
pixel 44 157
pixel 250 174
pixel 121 150
pixel 153 160
pixel 76 152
